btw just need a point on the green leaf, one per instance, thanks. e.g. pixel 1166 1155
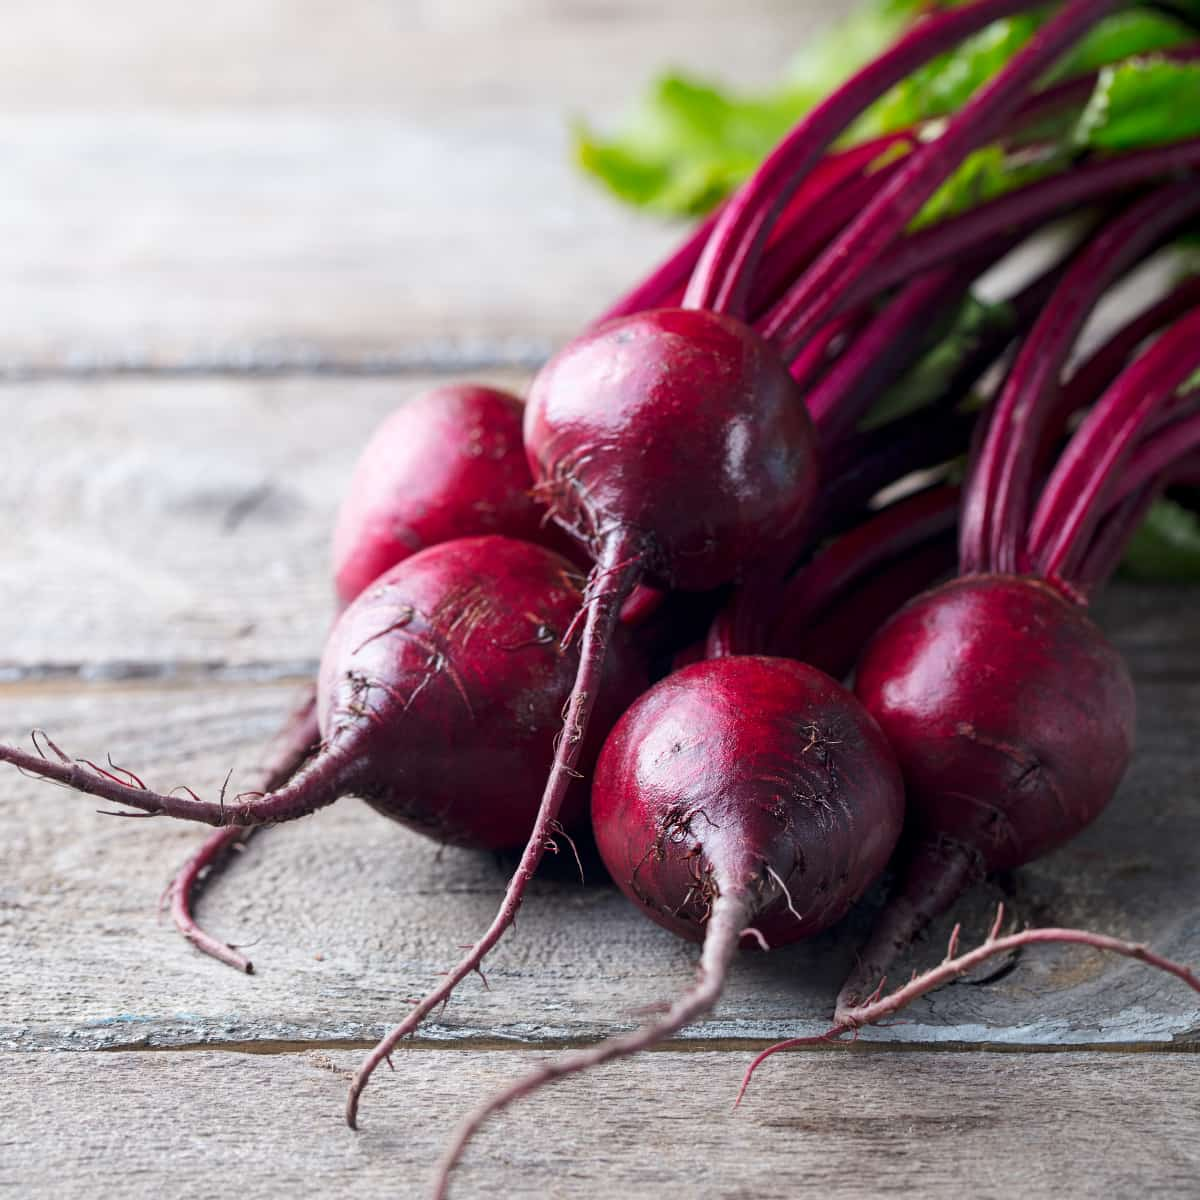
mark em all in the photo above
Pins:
pixel 1134 31
pixel 928 379
pixel 984 175
pixel 943 85
pixel 1142 102
pixel 686 144
pixel 1167 546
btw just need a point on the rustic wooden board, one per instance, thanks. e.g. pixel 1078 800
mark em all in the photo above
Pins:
pixel 180 527
pixel 194 515
pixel 846 1125
pixel 349 915
pixel 338 183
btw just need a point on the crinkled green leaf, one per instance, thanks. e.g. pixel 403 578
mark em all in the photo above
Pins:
pixel 1141 102
pixel 1167 546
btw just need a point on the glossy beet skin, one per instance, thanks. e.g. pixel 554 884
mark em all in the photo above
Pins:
pixel 736 765
pixel 449 669
pixel 446 465
pixel 1011 714
pixel 682 427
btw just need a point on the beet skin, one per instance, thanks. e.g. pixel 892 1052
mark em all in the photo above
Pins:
pixel 747 774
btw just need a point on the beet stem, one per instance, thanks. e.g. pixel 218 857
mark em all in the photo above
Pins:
pixel 617 571
pixel 1107 361
pixel 730 258
pixel 1073 501
pixel 879 1006
pixel 731 913
pixel 883 350
pixel 292 745
pixel 1107 548
pixel 1158 457
pixel 1020 211
pixel 998 498
pixel 818 292
pixel 896 530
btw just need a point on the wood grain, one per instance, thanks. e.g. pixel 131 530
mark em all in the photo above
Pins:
pixel 342 184
pixel 347 915
pixel 841 1125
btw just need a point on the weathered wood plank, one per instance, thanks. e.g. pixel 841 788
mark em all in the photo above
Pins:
pixel 176 521
pixel 257 186
pixel 843 1125
pixel 181 527
pixel 348 915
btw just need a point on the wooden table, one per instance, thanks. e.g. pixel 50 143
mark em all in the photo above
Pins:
pixel 236 235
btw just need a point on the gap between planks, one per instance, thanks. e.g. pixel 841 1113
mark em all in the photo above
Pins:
pixel 296 364
pixel 1178 1045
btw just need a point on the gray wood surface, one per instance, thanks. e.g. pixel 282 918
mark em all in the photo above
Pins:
pixel 841 1125
pixel 334 182
pixel 358 196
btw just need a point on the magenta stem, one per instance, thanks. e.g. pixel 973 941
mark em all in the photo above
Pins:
pixel 297 740
pixel 851 558
pixel 852 385
pixel 1105 363
pixel 834 642
pixel 998 496
pixel 819 291
pixel 1073 499
pixel 730 258
pixel 614 576
pixel 1020 211
pixel 1108 546
pixel 732 912
pixel 1160 455
pixel 819 212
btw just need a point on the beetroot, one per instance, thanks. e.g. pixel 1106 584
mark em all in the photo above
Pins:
pixel 440 696
pixel 446 465
pixel 739 796
pixel 749 783
pixel 1011 715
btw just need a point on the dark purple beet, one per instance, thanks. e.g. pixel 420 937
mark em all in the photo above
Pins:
pixel 1012 717
pixel 747 775
pixel 457 653
pixel 1011 714
pixel 682 431
pixel 446 465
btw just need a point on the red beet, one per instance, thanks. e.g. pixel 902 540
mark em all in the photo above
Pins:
pixel 441 694
pixel 752 778
pixel 680 432
pixel 446 465
pixel 741 795
pixel 1011 714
